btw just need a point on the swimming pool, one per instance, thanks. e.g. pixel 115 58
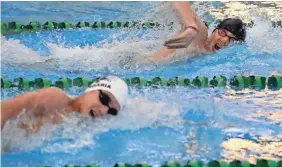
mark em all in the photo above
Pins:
pixel 157 124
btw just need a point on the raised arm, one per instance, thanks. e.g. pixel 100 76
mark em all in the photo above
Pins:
pixel 186 36
pixel 185 12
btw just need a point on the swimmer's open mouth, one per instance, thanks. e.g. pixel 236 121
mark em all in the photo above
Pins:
pixel 92 114
pixel 217 47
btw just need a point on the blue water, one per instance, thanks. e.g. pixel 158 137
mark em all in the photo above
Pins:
pixel 157 124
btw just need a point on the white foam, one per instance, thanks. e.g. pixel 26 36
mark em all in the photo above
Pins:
pixel 263 38
pixel 12 51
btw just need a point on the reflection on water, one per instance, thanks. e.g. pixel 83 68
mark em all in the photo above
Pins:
pixel 265 148
pixel 272 10
pixel 265 104
pixel 257 139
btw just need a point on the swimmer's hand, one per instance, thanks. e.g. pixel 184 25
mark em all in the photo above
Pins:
pixel 182 39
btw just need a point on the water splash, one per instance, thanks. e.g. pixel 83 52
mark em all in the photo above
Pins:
pixel 77 131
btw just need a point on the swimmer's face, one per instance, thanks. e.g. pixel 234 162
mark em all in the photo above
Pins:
pixel 219 39
pixel 98 103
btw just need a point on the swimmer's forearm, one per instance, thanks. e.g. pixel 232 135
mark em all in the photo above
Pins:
pixel 163 53
pixel 10 108
pixel 184 10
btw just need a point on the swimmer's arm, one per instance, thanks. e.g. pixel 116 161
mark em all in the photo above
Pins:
pixel 10 108
pixel 43 100
pixel 185 12
pixel 187 17
pixel 164 52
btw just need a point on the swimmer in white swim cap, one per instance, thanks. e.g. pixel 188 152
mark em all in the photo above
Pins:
pixel 106 95
pixel 113 93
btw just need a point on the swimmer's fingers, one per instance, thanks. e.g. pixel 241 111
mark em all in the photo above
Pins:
pixel 176 45
pixel 185 37
pixel 178 38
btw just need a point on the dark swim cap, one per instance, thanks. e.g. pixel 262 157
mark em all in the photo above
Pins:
pixel 235 26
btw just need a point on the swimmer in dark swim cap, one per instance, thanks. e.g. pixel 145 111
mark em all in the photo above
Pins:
pixel 228 31
pixel 194 34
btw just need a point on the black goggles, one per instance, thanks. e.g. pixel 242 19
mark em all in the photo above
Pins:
pixel 105 100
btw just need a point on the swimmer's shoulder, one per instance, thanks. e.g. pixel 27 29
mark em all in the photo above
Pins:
pixel 53 94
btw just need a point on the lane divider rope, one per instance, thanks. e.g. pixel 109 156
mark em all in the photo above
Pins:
pixel 238 82
pixel 214 163
pixel 16 27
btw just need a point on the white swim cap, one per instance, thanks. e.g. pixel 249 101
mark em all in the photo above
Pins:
pixel 116 86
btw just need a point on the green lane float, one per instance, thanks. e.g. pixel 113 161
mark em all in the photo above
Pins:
pixel 15 27
pixel 159 81
pixel 50 25
pixel 257 82
pixel 127 24
pixel 266 163
pixel 63 25
pixel 171 164
pixel 5 83
pixel 92 165
pixel 23 83
pixel 149 25
pixel 279 164
pixel 63 83
pixel 82 24
pixel 142 165
pixel 99 25
pixel 216 163
pixel 81 82
pixel 40 83
pixel 138 82
pixel 123 165
pixel 200 81
pixel 274 82
pixel 194 164
pixel 238 82
pixel 33 26
pixel 237 163
pixel 178 81
pixel 4 28
pixel 114 24
pixel 218 81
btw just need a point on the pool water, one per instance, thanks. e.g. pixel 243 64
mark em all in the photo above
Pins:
pixel 157 124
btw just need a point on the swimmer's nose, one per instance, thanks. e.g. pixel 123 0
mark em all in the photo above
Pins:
pixel 224 41
pixel 102 110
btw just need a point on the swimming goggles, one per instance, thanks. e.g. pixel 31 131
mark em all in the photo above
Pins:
pixel 105 100
pixel 223 33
